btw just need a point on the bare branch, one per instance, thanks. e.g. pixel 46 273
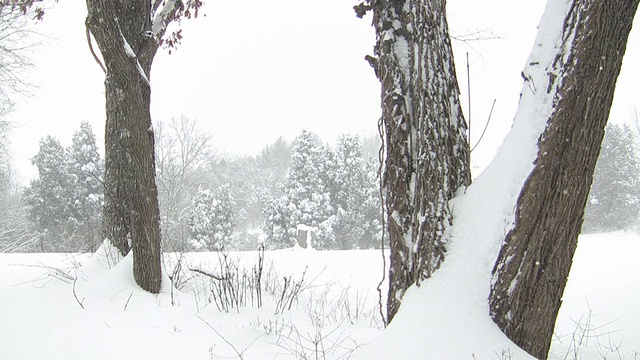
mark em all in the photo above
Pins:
pixel 213 276
pixel 76 295
pixel 91 48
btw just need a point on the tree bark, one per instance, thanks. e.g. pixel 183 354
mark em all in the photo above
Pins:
pixel 427 154
pixel 530 273
pixel 122 30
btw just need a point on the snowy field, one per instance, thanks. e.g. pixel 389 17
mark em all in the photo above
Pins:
pixel 315 305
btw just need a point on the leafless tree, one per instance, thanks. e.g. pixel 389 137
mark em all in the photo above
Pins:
pixel 183 162
pixel 14 59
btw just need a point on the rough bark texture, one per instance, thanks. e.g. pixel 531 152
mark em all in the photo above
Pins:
pixel 427 154
pixel 122 30
pixel 532 268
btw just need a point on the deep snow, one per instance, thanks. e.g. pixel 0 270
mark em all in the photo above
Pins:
pixel 41 318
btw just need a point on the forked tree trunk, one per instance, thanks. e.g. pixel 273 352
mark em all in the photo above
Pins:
pixel 427 154
pixel 122 30
pixel 532 268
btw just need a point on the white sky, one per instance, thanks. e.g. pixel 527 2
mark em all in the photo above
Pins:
pixel 251 71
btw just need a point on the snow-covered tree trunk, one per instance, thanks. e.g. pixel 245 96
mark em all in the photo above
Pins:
pixel 576 75
pixel 128 34
pixel 427 154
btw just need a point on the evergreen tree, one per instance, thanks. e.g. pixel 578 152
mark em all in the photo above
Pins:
pixel 614 200
pixel 211 219
pixel 64 203
pixel 350 193
pixel 85 168
pixel 273 164
pixel 308 192
pixel 277 224
pixel 48 197
pixel 306 198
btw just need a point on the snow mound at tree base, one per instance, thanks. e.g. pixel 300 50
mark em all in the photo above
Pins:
pixel 447 317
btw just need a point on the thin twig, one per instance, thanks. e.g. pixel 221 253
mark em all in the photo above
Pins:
pixel 240 354
pixel 213 276
pixel 76 295
pixel 485 126
pixel 127 303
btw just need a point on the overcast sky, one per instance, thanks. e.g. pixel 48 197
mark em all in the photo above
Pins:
pixel 254 70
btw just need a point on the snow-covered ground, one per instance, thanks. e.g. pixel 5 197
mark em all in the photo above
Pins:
pixel 334 315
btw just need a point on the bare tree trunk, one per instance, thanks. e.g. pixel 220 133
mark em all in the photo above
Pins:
pixel 130 215
pixel 427 154
pixel 532 268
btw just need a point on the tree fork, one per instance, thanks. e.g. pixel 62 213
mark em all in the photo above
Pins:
pixel 131 218
pixel 531 271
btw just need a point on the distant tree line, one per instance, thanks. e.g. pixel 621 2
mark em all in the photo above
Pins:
pixel 210 201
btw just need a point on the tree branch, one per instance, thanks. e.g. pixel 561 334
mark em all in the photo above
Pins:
pixel 163 17
pixel 86 26
pixel 213 276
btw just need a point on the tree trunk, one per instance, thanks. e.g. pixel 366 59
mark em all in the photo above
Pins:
pixel 130 215
pixel 427 154
pixel 533 264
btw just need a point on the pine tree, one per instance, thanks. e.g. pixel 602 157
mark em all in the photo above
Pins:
pixel 211 219
pixel 306 199
pixel 614 200
pixel 307 192
pixel 86 194
pixel 277 229
pixel 350 195
pixel 48 197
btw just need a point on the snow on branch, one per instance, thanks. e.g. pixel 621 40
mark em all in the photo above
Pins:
pixel 164 13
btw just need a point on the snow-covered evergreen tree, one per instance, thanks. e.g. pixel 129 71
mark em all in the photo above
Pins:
pixel 211 219
pixel 86 167
pixel 307 190
pixel 306 199
pixel 277 224
pixel 614 200
pixel 65 201
pixel 48 197
pixel 350 194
